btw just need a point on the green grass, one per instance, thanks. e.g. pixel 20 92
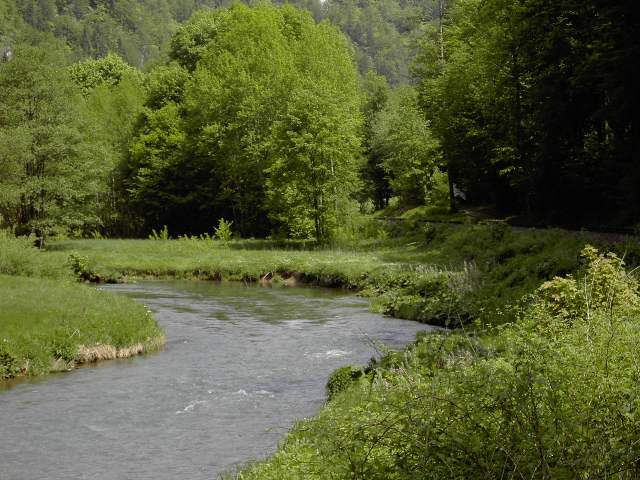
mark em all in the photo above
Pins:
pixel 43 324
pixel 18 256
pixel 49 321
pixel 436 273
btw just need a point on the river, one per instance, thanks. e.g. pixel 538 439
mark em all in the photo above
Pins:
pixel 240 365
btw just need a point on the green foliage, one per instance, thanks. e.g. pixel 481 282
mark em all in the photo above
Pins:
pixel 552 401
pixel 601 287
pixel 40 161
pixel 165 84
pixel 134 29
pixel 81 268
pixel 518 97
pixel 341 380
pixel 162 235
pixel 256 119
pixel 109 70
pixel 190 42
pixel 403 141
pixel 223 231
pixel 109 111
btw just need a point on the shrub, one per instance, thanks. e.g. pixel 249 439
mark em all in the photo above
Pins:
pixel 558 399
pixel 602 286
pixel 223 231
pixel 342 379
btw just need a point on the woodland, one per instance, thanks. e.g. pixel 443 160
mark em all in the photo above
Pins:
pixel 119 117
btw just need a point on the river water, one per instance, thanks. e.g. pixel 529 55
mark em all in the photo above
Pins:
pixel 240 365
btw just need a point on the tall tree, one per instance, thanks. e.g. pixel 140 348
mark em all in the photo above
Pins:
pixel 316 139
pixel 39 156
pixel 533 107
pixel 409 153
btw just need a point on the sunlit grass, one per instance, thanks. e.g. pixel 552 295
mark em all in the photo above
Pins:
pixel 46 324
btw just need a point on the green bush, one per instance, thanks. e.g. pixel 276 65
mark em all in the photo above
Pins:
pixel 342 379
pixel 80 267
pixel 223 231
pixel 602 286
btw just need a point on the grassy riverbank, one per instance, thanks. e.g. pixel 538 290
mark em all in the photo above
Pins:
pixel 554 395
pixel 440 274
pixel 49 322
pixel 443 274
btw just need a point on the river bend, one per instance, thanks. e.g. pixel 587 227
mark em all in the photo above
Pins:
pixel 240 365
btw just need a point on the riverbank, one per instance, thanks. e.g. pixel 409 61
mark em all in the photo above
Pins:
pixel 49 322
pixel 553 395
pixel 448 275
pixel 439 274
pixel 52 325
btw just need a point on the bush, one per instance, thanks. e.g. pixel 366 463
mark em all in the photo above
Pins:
pixel 341 380
pixel 223 231
pixel 602 286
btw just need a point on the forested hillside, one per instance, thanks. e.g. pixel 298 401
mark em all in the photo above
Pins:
pixel 117 118
pixel 385 32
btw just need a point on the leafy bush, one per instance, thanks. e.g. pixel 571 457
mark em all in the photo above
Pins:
pixel 80 267
pixel 342 379
pixel 603 286
pixel 223 231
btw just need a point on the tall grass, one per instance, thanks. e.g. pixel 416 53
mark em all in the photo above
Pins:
pixel 50 322
pixel 18 256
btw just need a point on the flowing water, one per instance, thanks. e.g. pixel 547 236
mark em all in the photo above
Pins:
pixel 240 365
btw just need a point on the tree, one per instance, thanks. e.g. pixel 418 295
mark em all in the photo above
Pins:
pixel 316 139
pixel 39 157
pixel 109 70
pixel 375 91
pixel 532 107
pixel 409 153
pixel 264 104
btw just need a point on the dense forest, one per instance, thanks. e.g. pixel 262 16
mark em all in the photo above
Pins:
pixel 119 117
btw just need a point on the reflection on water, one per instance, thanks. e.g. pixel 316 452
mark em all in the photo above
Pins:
pixel 240 365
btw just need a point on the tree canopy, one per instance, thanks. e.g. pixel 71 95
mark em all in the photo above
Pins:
pixel 263 127
pixel 532 104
